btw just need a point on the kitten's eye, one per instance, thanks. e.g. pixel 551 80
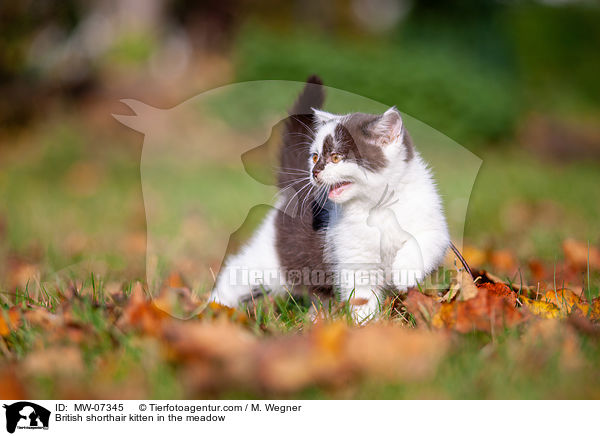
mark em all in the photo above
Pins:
pixel 335 158
pixel 315 157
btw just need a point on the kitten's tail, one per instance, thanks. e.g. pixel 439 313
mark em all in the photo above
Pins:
pixel 298 133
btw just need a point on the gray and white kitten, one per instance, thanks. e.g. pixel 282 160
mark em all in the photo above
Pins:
pixel 358 212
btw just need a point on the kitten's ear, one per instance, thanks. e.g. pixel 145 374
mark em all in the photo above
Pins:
pixel 322 117
pixel 389 127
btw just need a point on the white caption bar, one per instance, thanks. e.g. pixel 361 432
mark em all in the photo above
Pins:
pixel 296 417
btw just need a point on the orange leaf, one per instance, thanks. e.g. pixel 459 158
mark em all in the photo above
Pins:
pixel 484 312
pixel 141 313
pixel 9 321
pixel 577 254
pixel 421 306
pixel 594 313
pixel 501 290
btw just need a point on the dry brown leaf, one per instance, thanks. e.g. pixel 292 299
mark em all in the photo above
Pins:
pixel 421 306
pixel 291 364
pixel 216 310
pixel 485 312
pixel 220 339
pixel 467 288
pixel 520 287
pixel 577 254
pixel 332 353
pixel 395 352
pixel 140 313
pixel 177 301
pixel 501 290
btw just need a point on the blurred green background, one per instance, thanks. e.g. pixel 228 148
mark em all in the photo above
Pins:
pixel 515 82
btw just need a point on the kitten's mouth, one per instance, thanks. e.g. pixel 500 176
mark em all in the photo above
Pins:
pixel 336 190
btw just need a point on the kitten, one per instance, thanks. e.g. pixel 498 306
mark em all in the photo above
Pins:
pixel 387 228
pixel 357 205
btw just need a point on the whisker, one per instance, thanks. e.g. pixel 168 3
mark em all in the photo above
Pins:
pixel 301 135
pixel 304 124
pixel 293 196
pixel 306 197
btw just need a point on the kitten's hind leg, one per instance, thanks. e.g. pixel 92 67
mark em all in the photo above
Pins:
pixel 256 266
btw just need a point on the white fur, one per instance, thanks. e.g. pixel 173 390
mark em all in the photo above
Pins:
pixel 258 261
pixel 407 234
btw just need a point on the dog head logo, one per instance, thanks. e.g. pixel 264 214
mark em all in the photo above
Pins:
pixel 26 415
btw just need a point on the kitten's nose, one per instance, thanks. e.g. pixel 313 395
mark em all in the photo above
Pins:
pixel 316 172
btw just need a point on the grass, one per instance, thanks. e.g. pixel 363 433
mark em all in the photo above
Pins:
pixel 478 366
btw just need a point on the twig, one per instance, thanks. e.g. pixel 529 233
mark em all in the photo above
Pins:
pixel 462 259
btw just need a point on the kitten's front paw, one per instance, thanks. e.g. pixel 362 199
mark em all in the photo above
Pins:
pixel 363 309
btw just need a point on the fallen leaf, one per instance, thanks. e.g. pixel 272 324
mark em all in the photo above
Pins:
pixel 520 287
pixel 395 352
pixel 9 320
pixel 577 254
pixel 421 306
pixel 141 313
pixel 467 288
pixel 177 301
pixel 594 312
pixel 501 290
pixel 220 339
pixel 541 308
pixel 484 312
pixel 565 300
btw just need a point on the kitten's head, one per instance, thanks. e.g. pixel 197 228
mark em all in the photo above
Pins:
pixel 353 155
